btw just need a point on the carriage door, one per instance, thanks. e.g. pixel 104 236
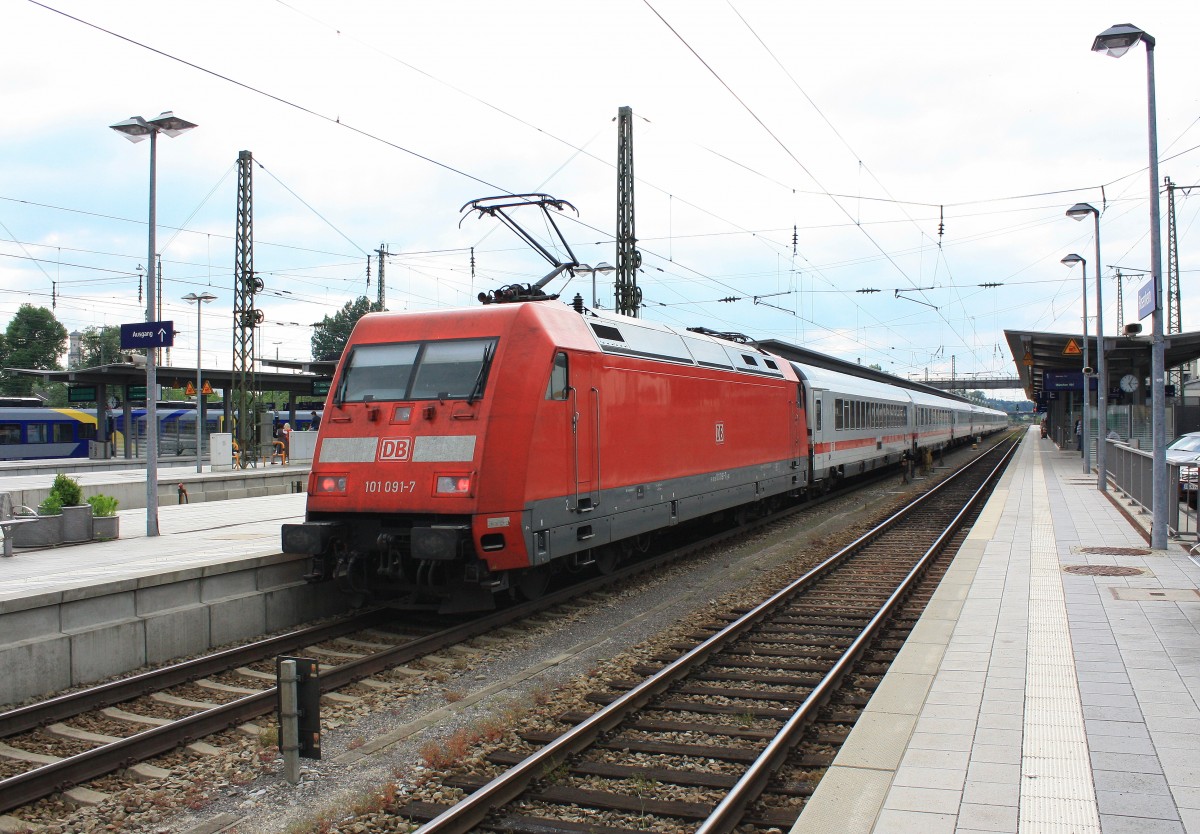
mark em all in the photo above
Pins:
pixel 816 420
pixel 585 435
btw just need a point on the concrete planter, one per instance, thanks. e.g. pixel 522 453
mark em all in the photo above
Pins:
pixel 46 531
pixel 77 523
pixel 106 527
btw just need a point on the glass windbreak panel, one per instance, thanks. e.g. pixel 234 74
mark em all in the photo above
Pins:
pixel 379 372
pixel 452 370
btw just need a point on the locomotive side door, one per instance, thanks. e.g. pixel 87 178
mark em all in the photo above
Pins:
pixel 584 397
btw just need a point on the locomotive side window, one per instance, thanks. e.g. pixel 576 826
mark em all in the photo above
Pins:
pixel 559 380
pixel 10 434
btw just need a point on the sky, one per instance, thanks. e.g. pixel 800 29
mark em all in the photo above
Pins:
pixel 789 155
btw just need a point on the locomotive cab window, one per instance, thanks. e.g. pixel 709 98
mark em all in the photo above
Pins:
pixel 454 369
pixel 559 380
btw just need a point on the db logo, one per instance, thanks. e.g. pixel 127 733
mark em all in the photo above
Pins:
pixel 395 448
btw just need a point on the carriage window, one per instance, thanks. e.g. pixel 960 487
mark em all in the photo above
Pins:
pixel 839 420
pixel 37 433
pixel 10 433
pixel 63 432
pixel 818 415
pixel 557 388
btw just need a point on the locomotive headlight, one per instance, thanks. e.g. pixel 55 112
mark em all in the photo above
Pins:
pixel 453 484
pixel 330 485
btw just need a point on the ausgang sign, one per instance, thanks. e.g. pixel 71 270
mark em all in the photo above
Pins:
pixel 148 334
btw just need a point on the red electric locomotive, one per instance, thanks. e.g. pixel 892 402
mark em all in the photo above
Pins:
pixel 469 452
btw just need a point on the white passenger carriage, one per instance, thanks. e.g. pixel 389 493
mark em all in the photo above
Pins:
pixel 856 424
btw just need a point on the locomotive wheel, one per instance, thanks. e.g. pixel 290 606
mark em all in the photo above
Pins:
pixel 531 583
pixel 607 559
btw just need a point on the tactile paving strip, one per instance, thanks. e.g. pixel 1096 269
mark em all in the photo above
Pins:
pixel 1057 794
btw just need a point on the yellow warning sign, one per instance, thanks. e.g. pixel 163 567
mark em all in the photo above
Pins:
pixel 190 390
pixel 1072 348
pixel 1028 360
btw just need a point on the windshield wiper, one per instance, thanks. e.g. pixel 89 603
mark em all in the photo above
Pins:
pixel 481 378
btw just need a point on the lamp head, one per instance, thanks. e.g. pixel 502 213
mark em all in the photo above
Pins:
pixel 1119 39
pixel 1081 210
pixel 1072 259
pixel 134 128
pixel 206 297
pixel 170 124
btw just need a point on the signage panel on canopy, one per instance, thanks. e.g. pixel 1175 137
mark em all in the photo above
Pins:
pixel 1062 381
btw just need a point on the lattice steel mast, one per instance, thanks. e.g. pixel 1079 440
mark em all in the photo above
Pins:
pixel 629 297
pixel 245 317
pixel 1174 314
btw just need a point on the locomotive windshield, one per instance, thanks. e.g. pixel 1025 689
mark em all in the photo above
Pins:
pixel 452 369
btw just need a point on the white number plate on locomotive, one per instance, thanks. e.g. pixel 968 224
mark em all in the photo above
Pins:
pixel 390 486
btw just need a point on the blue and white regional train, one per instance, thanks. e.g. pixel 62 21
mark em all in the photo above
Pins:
pixel 38 432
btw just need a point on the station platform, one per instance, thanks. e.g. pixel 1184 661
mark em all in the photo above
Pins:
pixel 1051 685
pixel 79 613
pixel 28 483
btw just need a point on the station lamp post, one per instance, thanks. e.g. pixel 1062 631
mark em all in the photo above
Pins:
pixel 1116 41
pixel 199 300
pixel 1078 212
pixel 600 267
pixel 135 129
pixel 1071 260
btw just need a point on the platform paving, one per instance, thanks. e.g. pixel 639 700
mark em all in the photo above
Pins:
pixel 1030 699
pixel 190 536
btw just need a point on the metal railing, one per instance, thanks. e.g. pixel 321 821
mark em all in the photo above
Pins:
pixel 1131 471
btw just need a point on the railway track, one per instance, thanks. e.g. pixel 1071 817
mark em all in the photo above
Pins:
pixel 209 695
pixel 734 731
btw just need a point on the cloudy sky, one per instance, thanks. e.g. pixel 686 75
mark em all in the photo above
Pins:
pixel 788 154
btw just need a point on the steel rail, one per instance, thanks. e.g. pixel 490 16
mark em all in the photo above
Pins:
pixel 34 784
pixel 473 809
pixel 67 706
pixel 729 811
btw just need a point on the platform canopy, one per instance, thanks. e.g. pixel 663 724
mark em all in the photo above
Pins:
pixel 1035 353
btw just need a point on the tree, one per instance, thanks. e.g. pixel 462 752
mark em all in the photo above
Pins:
pixel 100 346
pixel 330 336
pixel 33 339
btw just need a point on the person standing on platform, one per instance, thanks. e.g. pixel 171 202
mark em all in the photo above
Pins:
pixel 314 421
pixel 285 434
pixel 1079 436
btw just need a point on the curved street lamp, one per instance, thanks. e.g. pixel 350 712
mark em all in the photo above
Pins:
pixel 1116 41
pixel 1085 439
pixel 1078 212
pixel 135 129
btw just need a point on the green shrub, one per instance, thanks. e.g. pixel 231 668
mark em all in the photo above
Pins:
pixel 103 505
pixel 67 489
pixel 51 505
